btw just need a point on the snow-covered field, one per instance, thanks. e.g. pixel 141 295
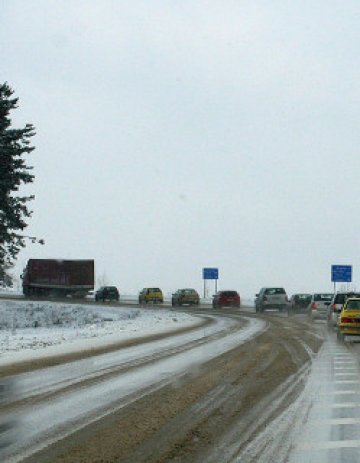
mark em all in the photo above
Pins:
pixel 37 329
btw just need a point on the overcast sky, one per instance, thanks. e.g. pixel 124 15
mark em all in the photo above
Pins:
pixel 175 135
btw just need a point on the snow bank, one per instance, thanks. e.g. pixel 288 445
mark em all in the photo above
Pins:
pixel 10 291
pixel 37 329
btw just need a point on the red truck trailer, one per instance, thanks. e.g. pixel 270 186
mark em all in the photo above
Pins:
pixel 55 277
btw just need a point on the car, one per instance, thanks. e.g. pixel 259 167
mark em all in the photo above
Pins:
pixel 336 306
pixel 185 296
pixel 109 293
pixel 318 306
pixel 271 298
pixel 349 319
pixel 299 303
pixel 227 298
pixel 151 295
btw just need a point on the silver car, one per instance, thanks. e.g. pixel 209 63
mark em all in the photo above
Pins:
pixel 318 307
pixel 271 298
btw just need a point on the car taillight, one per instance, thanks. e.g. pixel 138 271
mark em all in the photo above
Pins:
pixel 347 320
pixel 313 306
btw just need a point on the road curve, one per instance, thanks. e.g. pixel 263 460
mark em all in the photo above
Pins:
pixel 51 403
pixel 208 412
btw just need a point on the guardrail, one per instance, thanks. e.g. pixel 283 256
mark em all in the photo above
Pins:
pixel 125 300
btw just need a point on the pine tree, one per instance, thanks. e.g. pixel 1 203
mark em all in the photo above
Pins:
pixel 14 145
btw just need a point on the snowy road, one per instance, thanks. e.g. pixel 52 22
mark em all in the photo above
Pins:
pixel 51 403
pixel 331 432
pixel 322 425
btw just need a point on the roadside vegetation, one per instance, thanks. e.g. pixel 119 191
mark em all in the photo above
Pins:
pixel 15 146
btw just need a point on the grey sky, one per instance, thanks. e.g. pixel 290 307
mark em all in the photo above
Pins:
pixel 183 134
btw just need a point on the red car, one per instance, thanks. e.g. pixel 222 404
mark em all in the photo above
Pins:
pixel 226 299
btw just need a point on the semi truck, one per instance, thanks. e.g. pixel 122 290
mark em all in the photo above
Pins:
pixel 58 277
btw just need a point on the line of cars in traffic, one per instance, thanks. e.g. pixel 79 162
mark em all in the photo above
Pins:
pixel 333 308
pixel 314 305
pixel 344 314
pixel 341 310
pixel 184 296
pixel 348 323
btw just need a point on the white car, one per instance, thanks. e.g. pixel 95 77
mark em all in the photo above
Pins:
pixel 318 307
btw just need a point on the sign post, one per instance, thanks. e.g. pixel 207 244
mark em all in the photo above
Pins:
pixel 341 273
pixel 210 274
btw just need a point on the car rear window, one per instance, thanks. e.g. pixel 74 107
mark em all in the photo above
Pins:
pixel 339 298
pixel 302 297
pixel 323 297
pixel 272 291
pixel 229 293
pixel 353 305
pixel 155 290
pixel 189 291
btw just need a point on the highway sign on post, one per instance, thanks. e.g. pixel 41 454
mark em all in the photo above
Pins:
pixel 341 273
pixel 210 274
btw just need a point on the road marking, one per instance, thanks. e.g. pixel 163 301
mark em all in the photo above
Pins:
pixel 345 368
pixel 325 404
pixel 339 421
pixel 346 374
pixel 344 361
pixel 346 405
pixel 331 393
pixel 347 381
pixel 320 383
pixel 328 445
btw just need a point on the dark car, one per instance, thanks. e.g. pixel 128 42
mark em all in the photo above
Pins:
pixel 185 296
pixel 299 303
pixel 107 293
pixel 226 299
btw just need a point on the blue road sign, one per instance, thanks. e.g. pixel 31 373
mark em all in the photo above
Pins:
pixel 341 273
pixel 210 273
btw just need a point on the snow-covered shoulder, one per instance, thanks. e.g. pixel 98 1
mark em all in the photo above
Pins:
pixel 32 330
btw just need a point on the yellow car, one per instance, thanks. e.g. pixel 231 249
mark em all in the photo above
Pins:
pixel 349 319
pixel 152 295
